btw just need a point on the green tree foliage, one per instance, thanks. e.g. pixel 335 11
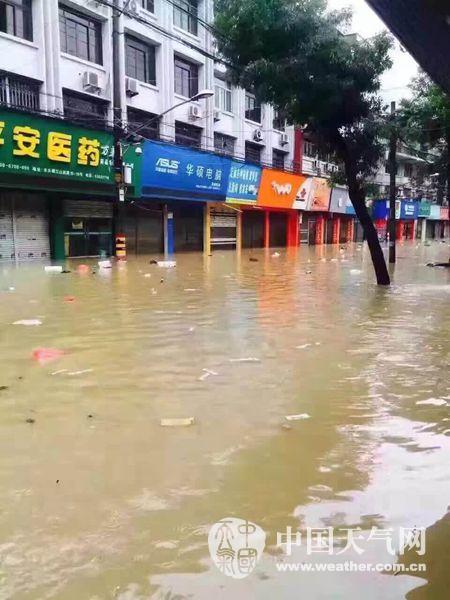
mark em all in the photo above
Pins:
pixel 292 54
pixel 425 120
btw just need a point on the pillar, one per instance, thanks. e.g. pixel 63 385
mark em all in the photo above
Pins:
pixel 413 230
pixel 423 234
pixel 207 229
pixel 350 230
pixel 57 245
pixel 319 230
pixel 399 231
pixel 336 229
pixel 266 229
pixel 298 151
pixel 239 231
pixel 169 237
pixel 292 229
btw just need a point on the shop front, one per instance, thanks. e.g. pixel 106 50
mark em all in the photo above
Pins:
pixel 341 218
pixel 406 214
pixel 187 187
pixel 313 199
pixel 56 188
pixel 422 217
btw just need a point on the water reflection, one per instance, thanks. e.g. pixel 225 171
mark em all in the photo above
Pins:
pixel 99 501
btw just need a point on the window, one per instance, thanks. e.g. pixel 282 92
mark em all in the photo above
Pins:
pixel 148 5
pixel 83 109
pixel 309 149
pixel 279 122
pixel 147 123
pixel 224 144
pixel 252 153
pixel 185 15
pixel 140 60
pixel 278 159
pixel 222 95
pixel 186 78
pixel 80 35
pixel 408 170
pixel 16 18
pixel 19 92
pixel 252 109
pixel 188 135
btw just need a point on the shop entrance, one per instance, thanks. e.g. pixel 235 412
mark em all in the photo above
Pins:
pixel 88 228
pixel 278 229
pixel 144 229
pixel 188 226
pixel 252 229
pixel 329 231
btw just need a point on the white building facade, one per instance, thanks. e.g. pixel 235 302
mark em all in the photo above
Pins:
pixel 56 57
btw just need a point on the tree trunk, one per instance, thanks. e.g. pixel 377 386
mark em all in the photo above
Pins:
pixel 358 199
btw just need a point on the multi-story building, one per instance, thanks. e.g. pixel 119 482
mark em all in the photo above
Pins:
pixel 56 59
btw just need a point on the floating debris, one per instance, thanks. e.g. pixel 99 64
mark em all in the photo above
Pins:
pixel 53 269
pixel 300 417
pixel 433 402
pixel 190 289
pixel 3 388
pixel 276 255
pixel 69 299
pixel 183 422
pixel 104 264
pixel 303 346
pixel 252 259
pixel 147 274
pixel 28 322
pixel 30 420
pixel 46 355
pixel 167 264
pixel 355 271
pixel 59 372
pixel 249 359
pixel 82 372
pixel 207 373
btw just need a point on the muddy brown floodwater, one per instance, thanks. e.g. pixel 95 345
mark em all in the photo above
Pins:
pixel 99 501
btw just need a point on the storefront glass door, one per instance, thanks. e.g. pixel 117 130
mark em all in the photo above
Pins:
pixel 88 236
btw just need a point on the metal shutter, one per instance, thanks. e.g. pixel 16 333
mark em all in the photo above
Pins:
pixel 88 208
pixel 6 229
pixel 31 227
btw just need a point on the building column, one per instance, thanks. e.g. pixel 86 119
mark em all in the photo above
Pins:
pixel 239 231
pixel 423 235
pixel 413 233
pixel 399 232
pixel 266 229
pixel 206 229
pixel 57 245
pixel 336 229
pixel 292 229
pixel 169 240
pixel 320 221
pixel 350 230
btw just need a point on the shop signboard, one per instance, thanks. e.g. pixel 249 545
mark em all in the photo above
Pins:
pixel 424 210
pixel 177 173
pixel 380 209
pixel 444 213
pixel 319 199
pixel 409 210
pixel 435 212
pixel 31 145
pixel 279 189
pixel 243 183
pixel 340 201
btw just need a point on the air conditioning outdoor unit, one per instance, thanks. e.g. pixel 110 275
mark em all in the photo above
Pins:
pixel 284 139
pixel 134 6
pixel 195 112
pixel 217 115
pixel 258 135
pixel 91 81
pixel 131 87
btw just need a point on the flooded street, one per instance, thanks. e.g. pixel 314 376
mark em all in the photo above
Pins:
pixel 99 501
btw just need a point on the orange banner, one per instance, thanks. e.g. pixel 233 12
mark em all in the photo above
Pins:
pixel 279 189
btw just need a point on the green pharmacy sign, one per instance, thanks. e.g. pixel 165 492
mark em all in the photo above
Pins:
pixel 41 147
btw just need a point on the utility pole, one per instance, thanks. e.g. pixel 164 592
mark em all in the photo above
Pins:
pixel 119 201
pixel 392 185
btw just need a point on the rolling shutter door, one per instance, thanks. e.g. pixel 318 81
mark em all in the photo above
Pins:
pixel 6 229
pixel 31 227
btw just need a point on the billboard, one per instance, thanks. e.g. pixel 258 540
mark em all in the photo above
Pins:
pixel 340 201
pixel 319 198
pixel 243 183
pixel 279 189
pixel 179 173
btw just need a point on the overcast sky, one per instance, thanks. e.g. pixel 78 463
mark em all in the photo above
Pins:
pixel 367 23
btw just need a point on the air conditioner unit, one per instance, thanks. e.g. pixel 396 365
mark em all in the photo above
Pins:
pixel 284 139
pixel 195 112
pixel 217 115
pixel 134 6
pixel 131 87
pixel 91 81
pixel 258 135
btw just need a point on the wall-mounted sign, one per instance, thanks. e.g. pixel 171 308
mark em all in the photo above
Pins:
pixel 409 210
pixel 380 209
pixel 183 174
pixel 340 201
pixel 243 183
pixel 43 147
pixel 444 213
pixel 319 194
pixel 424 209
pixel 279 189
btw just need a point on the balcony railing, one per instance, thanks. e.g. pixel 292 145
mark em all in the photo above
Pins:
pixel 17 92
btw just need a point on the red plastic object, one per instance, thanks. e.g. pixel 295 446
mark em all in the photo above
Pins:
pixel 46 355
pixel 69 298
pixel 83 268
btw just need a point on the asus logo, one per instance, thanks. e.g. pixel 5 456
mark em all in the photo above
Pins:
pixel 280 189
pixel 167 163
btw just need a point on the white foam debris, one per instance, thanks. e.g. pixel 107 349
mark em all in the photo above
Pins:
pixel 249 359
pixel 29 322
pixel 300 417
